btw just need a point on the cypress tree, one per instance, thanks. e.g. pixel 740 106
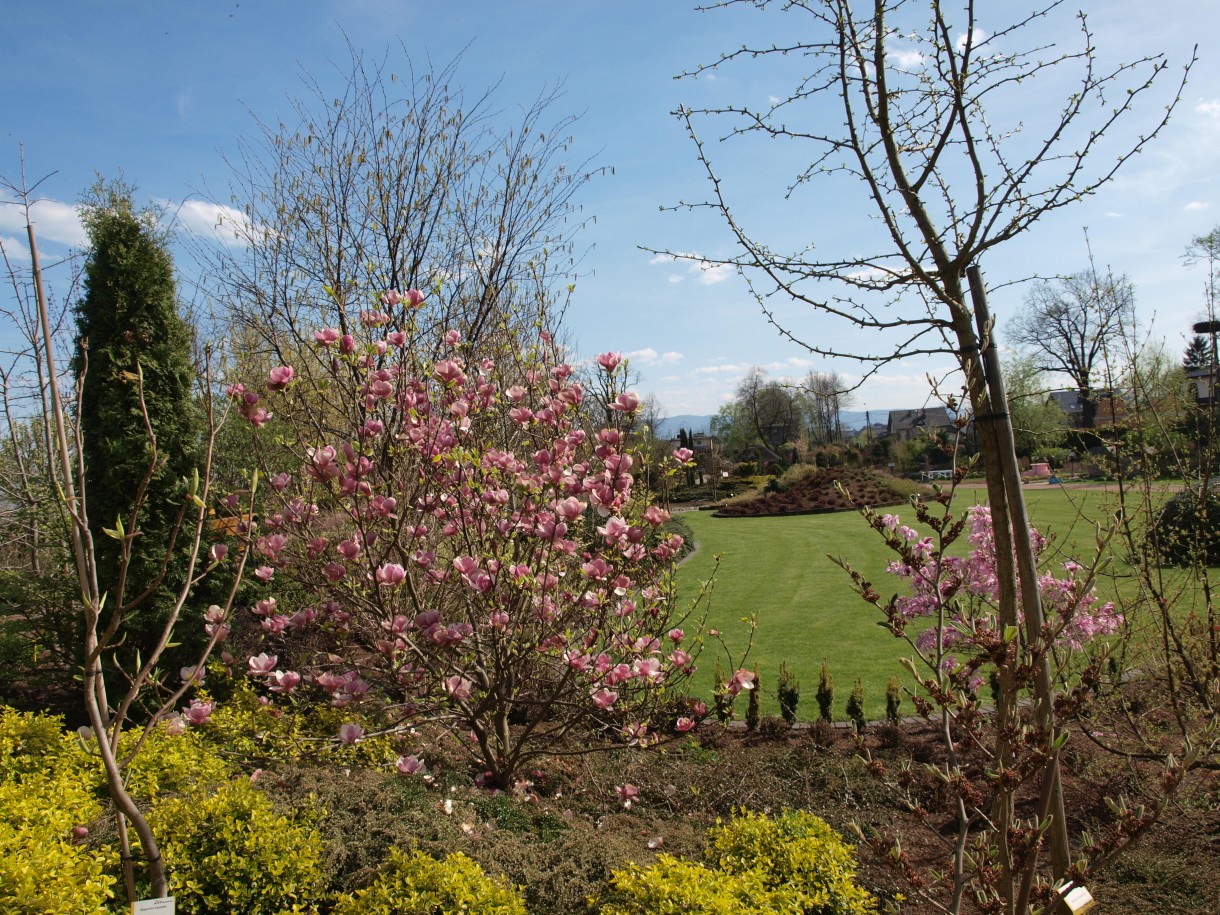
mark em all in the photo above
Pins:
pixel 127 323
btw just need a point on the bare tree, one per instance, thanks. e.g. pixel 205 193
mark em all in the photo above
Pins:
pixel 392 183
pixel 1070 324
pixel 925 99
pixel 826 395
pixel 769 411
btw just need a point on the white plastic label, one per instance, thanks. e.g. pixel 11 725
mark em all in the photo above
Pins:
pixel 153 906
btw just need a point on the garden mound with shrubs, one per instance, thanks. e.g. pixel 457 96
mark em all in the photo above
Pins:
pixel 807 490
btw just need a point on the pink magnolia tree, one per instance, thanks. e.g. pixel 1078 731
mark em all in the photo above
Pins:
pixel 472 553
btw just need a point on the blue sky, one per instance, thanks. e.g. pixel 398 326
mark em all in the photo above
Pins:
pixel 162 90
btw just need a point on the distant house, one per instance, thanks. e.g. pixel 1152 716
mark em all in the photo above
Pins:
pixel 905 425
pixel 1202 383
pixel 1107 409
pixel 702 442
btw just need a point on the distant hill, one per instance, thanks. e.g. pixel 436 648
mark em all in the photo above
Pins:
pixel 691 422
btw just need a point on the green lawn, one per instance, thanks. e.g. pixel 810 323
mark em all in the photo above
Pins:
pixel 779 570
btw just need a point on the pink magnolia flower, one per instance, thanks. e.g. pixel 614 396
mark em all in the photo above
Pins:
pixel 280 481
pixel 327 336
pixel 391 297
pixel 604 698
pixel 655 515
pixel 450 372
pixel 628 794
pixel 684 725
pixel 676 635
pixel 284 681
pixel 262 663
pixel 280 378
pixel 609 361
pixel 264 573
pixel 458 687
pixel 391 574
pixel 218 552
pixel 192 674
pixel 626 403
pixel 453 337
pixel 258 416
pixel 350 733
pixel 198 711
pixel 410 765
pixel 683 455
pixel 741 680
pixel 414 298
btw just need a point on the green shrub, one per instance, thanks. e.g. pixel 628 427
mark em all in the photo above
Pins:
pixel 45 791
pixel 855 706
pixel 826 694
pixel 231 852
pixel 416 884
pixel 788 691
pixel 893 700
pixel 1187 531
pixel 792 863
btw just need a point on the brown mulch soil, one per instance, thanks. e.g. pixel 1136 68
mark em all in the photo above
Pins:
pixel 818 493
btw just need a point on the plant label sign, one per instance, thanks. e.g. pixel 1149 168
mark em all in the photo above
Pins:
pixel 153 906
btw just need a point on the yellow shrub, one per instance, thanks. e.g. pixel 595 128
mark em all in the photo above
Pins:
pixel 793 863
pixel 230 852
pixel 44 792
pixel 415 884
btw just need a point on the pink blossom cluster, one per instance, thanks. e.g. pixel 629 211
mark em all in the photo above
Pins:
pixel 967 588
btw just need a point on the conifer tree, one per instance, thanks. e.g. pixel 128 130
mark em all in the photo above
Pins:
pixel 128 326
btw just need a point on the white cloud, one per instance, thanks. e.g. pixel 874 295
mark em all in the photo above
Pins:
pixel 650 356
pixel 225 223
pixel 906 60
pixel 706 272
pixel 977 37
pixel 15 249
pixel 1114 215
pixel 711 273
pixel 773 100
pixel 1196 205
pixel 868 273
pixel 53 220
pixel 1210 107
pixel 728 368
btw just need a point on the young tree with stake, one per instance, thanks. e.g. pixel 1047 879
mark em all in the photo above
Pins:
pixel 920 95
